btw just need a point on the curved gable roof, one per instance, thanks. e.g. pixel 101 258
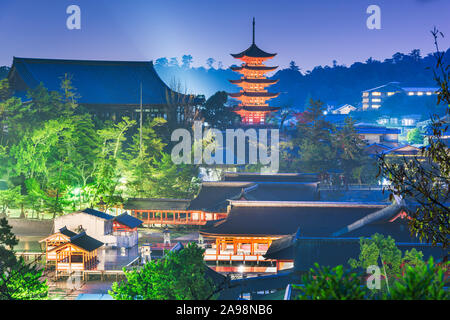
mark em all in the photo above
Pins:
pixel 254 52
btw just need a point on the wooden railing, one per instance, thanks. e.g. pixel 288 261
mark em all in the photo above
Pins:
pixel 176 217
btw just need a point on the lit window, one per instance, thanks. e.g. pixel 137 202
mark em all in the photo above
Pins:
pixel 365 106
pixel 375 106
pixel 365 100
pixel 410 93
pixel 429 93
pixel 376 93
pixel 420 93
pixel 390 93
pixel 376 100
pixel 365 94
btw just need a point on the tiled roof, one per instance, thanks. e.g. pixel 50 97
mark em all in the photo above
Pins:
pixel 86 242
pixel 254 52
pixel 284 218
pixel 98 214
pixel 97 82
pixel 127 220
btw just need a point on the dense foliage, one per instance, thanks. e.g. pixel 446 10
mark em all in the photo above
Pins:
pixel 423 282
pixel 425 178
pixel 336 84
pixel 18 280
pixel 56 157
pixel 325 283
pixel 381 251
pixel 318 146
pixel 180 275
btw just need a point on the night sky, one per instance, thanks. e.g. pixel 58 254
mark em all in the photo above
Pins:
pixel 313 32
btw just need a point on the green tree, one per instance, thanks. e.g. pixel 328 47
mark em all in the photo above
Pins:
pixel 426 177
pixel 217 114
pixel 180 275
pixel 140 158
pixel 312 148
pixel 18 280
pixel 422 282
pixel 414 136
pixel 325 283
pixel 350 152
pixel 379 250
pixel 8 198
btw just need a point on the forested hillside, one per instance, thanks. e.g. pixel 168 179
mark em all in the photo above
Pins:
pixel 337 84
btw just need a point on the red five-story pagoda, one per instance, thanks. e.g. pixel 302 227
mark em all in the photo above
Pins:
pixel 253 96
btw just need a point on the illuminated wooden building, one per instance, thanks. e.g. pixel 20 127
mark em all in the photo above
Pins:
pixel 253 97
pixel 252 226
pixel 211 203
pixel 114 231
pixel 71 252
pixel 55 240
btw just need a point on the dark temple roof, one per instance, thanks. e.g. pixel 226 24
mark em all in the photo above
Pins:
pixel 259 218
pixel 129 221
pixel 96 82
pixel 98 214
pixel 67 232
pixel 254 52
pixel 86 242
pixel 278 177
pixel 156 204
pixel 213 196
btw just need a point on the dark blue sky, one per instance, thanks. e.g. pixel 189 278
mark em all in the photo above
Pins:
pixel 312 32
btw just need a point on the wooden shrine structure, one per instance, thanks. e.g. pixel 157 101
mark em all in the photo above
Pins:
pixel 252 226
pixel 71 254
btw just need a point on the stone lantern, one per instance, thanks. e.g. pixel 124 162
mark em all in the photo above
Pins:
pixel 166 236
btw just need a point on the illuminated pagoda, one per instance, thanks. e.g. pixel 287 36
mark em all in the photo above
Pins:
pixel 254 95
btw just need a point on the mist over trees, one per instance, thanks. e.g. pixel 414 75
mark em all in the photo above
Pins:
pixel 336 84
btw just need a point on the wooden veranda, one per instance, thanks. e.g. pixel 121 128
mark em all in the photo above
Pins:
pixel 176 217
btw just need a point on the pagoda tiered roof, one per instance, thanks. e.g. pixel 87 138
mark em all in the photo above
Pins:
pixel 254 52
pixel 253 68
pixel 246 80
pixel 253 94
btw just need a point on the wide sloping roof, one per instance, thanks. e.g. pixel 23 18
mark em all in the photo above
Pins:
pixel 96 82
pixel 282 192
pixel 365 129
pixel 98 214
pixel 129 221
pixel 277 177
pixel 254 52
pixel 213 196
pixel 377 216
pixel 259 218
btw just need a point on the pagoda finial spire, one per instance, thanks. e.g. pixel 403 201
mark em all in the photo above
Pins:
pixel 253 30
